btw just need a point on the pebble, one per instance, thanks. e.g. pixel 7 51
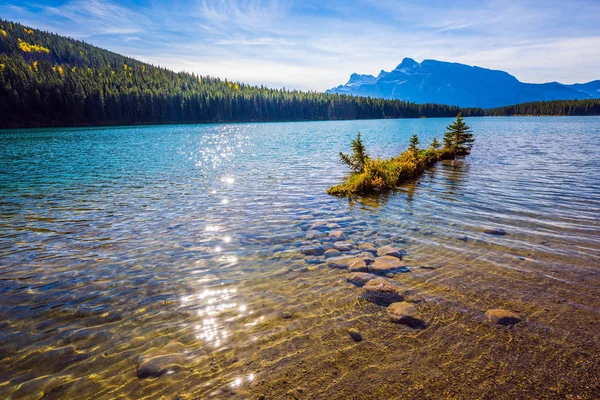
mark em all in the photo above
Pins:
pixel 338 235
pixel 339 262
pixel 495 231
pixel 342 246
pixel 366 256
pixel 380 291
pixel 332 253
pixel 312 234
pixel 360 278
pixel 312 250
pixel 390 251
pixel 502 317
pixel 286 314
pixel 405 313
pixel 355 334
pixel 153 367
pixel 385 264
pixel 357 265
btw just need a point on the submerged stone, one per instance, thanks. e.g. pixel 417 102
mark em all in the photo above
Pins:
pixel 339 262
pixel 355 334
pixel 380 291
pixel 338 235
pixel 314 259
pixel 312 234
pixel 495 231
pixel 502 317
pixel 153 367
pixel 312 250
pixel 390 251
pixel 357 265
pixel 386 264
pixel 332 253
pixel 342 246
pixel 367 257
pixel 405 313
pixel 286 315
pixel 360 278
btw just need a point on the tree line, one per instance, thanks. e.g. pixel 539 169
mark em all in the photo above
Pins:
pixel 50 80
pixel 555 107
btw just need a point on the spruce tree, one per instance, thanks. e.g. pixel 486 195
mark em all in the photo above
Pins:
pixel 435 144
pixel 414 142
pixel 458 138
pixel 359 158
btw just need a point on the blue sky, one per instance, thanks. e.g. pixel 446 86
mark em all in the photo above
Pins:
pixel 316 45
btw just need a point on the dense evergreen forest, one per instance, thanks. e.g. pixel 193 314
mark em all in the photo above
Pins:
pixel 50 80
pixel 557 107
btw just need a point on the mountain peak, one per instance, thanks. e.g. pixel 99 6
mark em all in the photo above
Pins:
pixel 433 81
pixel 407 63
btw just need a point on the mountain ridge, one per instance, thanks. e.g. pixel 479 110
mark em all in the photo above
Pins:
pixel 433 81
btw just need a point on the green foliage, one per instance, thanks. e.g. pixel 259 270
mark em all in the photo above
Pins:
pixel 359 157
pixel 413 144
pixel 379 174
pixel 458 138
pixel 74 83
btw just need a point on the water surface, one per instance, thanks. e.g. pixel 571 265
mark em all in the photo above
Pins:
pixel 181 244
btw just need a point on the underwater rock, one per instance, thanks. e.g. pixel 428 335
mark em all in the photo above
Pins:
pixel 343 246
pixel 360 278
pixel 153 367
pixel 314 259
pixel 495 231
pixel 337 235
pixel 312 234
pixel 332 253
pixel 390 251
pixel 405 313
pixel 355 334
pixel 339 262
pixel 370 247
pixel 502 317
pixel 312 250
pixel 380 291
pixel 357 265
pixel 385 264
pixel 286 315
pixel 367 257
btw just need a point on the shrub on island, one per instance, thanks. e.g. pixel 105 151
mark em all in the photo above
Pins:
pixel 370 175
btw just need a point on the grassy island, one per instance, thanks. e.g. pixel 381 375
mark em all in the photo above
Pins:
pixel 373 175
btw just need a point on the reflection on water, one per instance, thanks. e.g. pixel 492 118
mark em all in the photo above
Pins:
pixel 165 260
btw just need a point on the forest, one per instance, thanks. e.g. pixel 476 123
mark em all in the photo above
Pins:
pixel 556 107
pixel 50 80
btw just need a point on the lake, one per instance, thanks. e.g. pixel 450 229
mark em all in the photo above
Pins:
pixel 166 261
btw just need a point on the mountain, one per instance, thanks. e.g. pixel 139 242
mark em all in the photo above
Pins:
pixel 51 80
pixel 465 86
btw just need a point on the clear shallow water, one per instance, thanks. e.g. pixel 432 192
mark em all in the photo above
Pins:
pixel 181 244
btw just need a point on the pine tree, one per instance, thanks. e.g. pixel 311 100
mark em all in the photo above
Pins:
pixel 435 144
pixel 414 143
pixel 458 139
pixel 359 158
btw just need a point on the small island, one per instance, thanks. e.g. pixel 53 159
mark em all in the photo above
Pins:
pixel 373 175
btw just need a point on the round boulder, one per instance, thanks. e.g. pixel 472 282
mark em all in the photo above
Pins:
pixel 405 313
pixel 386 264
pixel 380 291
pixel 357 265
pixel 360 278
pixel 390 251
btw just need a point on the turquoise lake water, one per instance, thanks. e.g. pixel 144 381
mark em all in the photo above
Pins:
pixel 183 241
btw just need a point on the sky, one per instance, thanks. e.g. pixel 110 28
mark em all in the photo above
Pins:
pixel 317 44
